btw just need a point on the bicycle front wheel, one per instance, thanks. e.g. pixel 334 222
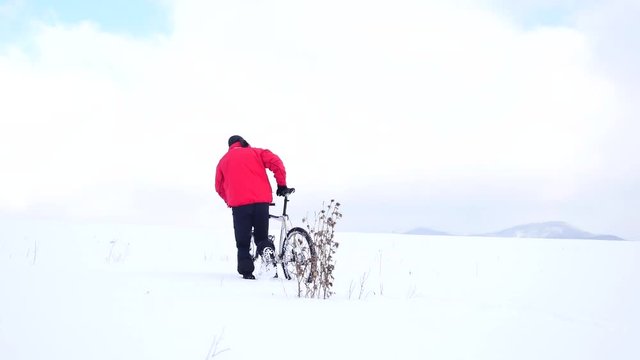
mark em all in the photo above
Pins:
pixel 298 255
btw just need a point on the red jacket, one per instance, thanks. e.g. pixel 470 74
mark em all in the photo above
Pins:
pixel 241 176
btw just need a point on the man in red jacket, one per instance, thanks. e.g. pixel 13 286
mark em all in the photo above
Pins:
pixel 243 184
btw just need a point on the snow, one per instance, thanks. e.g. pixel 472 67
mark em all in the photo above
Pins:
pixel 72 291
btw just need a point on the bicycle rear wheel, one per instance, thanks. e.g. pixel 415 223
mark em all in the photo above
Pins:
pixel 298 255
pixel 253 250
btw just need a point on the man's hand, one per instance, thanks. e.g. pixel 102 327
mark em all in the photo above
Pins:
pixel 284 190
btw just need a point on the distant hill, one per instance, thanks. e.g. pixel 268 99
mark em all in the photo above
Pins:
pixel 550 230
pixel 544 230
pixel 425 231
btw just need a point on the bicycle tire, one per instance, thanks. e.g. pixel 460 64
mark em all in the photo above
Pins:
pixel 298 254
pixel 253 250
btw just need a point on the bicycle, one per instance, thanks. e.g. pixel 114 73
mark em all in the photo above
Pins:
pixel 296 250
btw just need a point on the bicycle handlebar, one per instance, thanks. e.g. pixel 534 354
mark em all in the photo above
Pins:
pixel 286 195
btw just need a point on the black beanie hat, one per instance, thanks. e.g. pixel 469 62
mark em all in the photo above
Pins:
pixel 235 138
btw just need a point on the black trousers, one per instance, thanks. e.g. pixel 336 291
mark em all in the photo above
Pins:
pixel 245 219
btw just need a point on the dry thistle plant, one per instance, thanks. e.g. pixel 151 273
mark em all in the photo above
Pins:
pixel 319 282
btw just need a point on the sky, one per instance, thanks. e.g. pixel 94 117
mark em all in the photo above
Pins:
pixel 464 116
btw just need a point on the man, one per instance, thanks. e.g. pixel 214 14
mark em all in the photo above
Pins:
pixel 243 184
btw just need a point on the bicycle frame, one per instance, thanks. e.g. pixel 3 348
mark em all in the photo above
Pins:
pixel 299 246
pixel 284 227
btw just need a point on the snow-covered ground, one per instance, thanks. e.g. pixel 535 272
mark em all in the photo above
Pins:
pixel 141 292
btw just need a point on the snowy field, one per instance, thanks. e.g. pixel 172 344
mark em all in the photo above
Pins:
pixel 141 292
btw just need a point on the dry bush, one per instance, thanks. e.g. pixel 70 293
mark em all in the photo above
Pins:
pixel 315 278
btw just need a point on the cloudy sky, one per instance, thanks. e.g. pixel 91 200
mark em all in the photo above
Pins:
pixel 463 116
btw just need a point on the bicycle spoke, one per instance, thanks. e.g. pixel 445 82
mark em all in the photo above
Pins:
pixel 298 254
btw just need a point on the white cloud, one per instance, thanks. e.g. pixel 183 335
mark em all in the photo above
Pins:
pixel 9 8
pixel 350 94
